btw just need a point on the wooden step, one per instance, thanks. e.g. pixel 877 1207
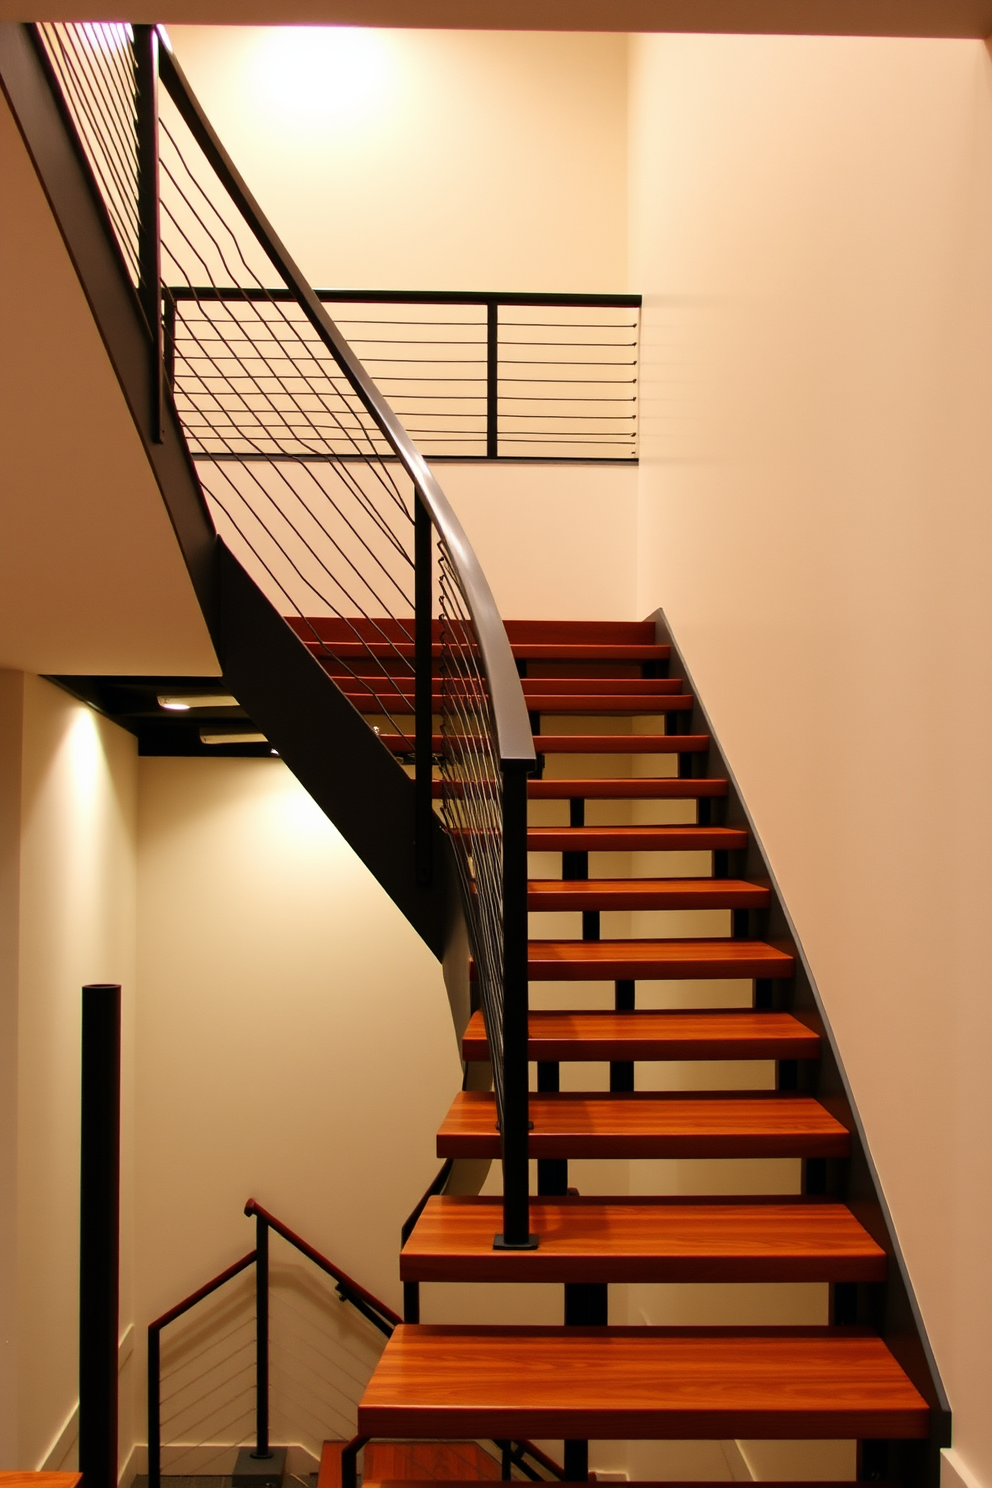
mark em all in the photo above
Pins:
pixel 717 1034
pixel 637 1383
pixel 627 1483
pixel 622 743
pixel 633 687
pixel 584 743
pixel 398 700
pixel 645 893
pixel 637 787
pixel 420 1461
pixel 653 1124
pixel 677 838
pixel 663 960
pixel 580 632
pixel 647 1240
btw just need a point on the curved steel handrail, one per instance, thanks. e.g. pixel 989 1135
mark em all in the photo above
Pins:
pixel 514 736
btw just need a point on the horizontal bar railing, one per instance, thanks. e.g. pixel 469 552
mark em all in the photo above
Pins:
pixel 480 376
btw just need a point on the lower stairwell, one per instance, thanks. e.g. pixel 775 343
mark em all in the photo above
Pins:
pixel 698 975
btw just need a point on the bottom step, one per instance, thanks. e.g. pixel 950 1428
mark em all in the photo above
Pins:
pixel 639 1383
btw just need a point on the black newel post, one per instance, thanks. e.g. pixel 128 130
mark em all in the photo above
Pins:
pixel 261 1451
pixel 99 1235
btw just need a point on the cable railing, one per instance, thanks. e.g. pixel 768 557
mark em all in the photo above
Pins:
pixel 318 491
pixel 254 1363
pixel 472 376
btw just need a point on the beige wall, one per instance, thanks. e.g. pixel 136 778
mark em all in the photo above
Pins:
pixel 294 1038
pixel 427 159
pixel 557 542
pixel 69 807
pixel 812 229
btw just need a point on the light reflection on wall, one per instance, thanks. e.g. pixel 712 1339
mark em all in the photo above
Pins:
pixel 325 74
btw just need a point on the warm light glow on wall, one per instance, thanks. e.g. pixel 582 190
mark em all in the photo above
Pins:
pixel 325 74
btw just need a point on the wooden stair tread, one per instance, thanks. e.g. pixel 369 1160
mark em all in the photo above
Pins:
pixel 645 893
pixel 604 1240
pixel 655 1383
pixel 675 838
pixel 329 1474
pixel 629 788
pixel 655 1124
pixel 592 960
pixel 622 743
pixel 735 1034
pixel 583 743
pixel 398 700
pixel 633 787
pixel 428 1461
pixel 627 1483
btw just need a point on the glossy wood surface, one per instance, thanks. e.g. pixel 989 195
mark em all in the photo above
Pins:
pixel 622 743
pixel 419 1461
pixel 645 893
pixel 676 838
pixel 592 960
pixel 391 700
pixel 718 1034
pixel 639 1383
pixel 605 1240
pixel 40 1479
pixel 634 787
pixel 653 1124
pixel 329 1472
pixel 584 743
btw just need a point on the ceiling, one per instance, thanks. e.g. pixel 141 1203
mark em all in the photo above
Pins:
pixel 948 18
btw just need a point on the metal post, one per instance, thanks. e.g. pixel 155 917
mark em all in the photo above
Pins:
pixel 492 380
pixel 154 1409
pixel 99 1234
pixel 423 588
pixel 261 1339
pixel 516 1124
pixel 149 236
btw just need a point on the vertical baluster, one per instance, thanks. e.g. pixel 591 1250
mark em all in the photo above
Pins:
pixel 99 1234
pixel 149 236
pixel 492 380
pixel 423 587
pixel 154 1409
pixel 516 1125
pixel 261 1339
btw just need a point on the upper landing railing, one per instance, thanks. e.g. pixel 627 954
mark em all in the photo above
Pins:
pixel 316 488
pixel 471 376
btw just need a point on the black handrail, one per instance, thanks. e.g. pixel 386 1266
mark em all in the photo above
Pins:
pixel 348 1289
pixel 504 982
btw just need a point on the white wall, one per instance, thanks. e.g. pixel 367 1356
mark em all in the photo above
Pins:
pixel 812 229
pixel 427 159
pixel 69 793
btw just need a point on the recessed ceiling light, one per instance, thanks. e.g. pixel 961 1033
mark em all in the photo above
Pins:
pixel 182 702
pixel 231 738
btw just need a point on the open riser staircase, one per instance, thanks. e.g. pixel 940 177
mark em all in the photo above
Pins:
pixel 355 627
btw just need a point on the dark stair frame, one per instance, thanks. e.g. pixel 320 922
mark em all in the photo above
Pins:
pixel 283 688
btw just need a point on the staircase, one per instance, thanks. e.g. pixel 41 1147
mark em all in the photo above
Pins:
pixel 668 946
pixel 628 767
